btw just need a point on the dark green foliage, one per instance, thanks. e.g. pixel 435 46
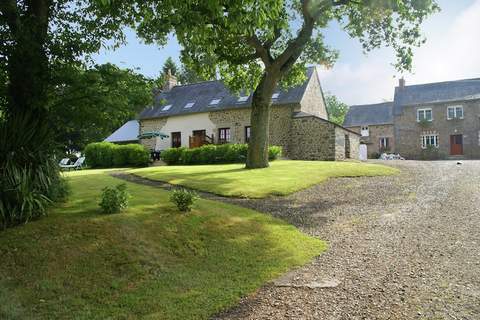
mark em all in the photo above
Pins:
pixel 184 199
pixel 28 172
pixel 109 155
pixel 60 190
pixel 114 199
pixel 210 154
pixel 88 104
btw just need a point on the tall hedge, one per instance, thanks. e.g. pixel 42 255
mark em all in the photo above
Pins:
pixel 110 155
pixel 210 154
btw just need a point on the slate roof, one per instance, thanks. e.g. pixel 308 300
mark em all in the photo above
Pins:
pixel 128 132
pixel 301 114
pixel 369 114
pixel 203 93
pixel 430 93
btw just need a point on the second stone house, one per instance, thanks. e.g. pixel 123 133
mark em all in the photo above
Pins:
pixel 442 117
pixel 208 113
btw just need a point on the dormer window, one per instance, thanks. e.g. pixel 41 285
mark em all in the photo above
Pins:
pixel 364 131
pixel 275 95
pixel 242 99
pixel 214 102
pixel 189 105
pixel 424 115
pixel 167 107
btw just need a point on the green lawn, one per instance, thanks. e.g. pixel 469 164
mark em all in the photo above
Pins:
pixel 281 178
pixel 148 262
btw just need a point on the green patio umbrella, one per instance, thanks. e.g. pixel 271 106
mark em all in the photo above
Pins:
pixel 152 134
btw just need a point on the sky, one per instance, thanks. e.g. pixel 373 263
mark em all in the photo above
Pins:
pixel 452 52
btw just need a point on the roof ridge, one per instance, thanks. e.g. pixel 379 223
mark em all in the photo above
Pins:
pixel 371 104
pixel 440 82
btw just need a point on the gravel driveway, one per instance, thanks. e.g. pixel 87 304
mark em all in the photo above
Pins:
pixel 402 247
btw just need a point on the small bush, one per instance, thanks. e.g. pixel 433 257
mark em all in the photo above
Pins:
pixel 274 152
pixel 431 153
pixel 59 190
pixel 108 155
pixel 184 199
pixel 210 154
pixel 114 199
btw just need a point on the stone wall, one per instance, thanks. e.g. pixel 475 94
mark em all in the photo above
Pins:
pixel 312 139
pixel 341 144
pixel 151 125
pixel 375 133
pixel 408 131
pixel 237 120
pixel 312 101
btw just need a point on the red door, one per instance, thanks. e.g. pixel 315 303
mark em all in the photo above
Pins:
pixel 456 144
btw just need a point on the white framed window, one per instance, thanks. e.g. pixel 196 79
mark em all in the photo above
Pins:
pixel 424 114
pixel 214 102
pixel 189 105
pixel 454 112
pixel 242 99
pixel 429 139
pixel 167 107
pixel 275 95
pixel 365 132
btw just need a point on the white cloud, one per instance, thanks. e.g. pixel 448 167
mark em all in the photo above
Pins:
pixel 450 53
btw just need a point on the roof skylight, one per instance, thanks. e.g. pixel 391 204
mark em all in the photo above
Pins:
pixel 189 105
pixel 167 107
pixel 214 102
pixel 275 95
pixel 242 99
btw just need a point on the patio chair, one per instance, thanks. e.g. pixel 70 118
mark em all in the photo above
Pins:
pixel 64 162
pixel 76 166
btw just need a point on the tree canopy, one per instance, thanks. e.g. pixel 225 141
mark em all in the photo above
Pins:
pixel 93 102
pixel 254 45
pixel 336 109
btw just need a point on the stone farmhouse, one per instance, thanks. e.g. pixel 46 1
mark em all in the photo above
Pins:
pixel 443 117
pixel 208 113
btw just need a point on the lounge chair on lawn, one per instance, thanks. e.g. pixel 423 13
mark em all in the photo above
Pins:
pixel 64 162
pixel 76 166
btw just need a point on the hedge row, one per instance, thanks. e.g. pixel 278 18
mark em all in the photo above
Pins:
pixel 209 154
pixel 109 155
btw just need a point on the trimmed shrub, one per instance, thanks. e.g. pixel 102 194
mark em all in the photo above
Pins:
pixel 136 155
pixel 100 154
pixel 114 199
pixel 210 154
pixel 184 199
pixel 108 155
pixel 172 156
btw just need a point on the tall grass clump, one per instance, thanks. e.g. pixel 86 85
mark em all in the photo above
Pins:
pixel 29 176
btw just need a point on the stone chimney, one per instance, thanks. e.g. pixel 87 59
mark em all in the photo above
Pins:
pixel 170 81
pixel 401 83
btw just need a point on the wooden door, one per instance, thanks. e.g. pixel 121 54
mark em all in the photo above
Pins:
pixel 176 139
pixel 456 144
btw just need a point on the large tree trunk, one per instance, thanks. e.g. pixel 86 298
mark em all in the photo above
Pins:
pixel 260 121
pixel 28 68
